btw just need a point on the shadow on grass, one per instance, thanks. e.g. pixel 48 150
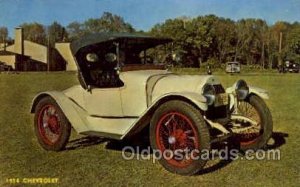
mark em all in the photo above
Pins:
pixel 83 142
pixel 140 148
pixel 277 140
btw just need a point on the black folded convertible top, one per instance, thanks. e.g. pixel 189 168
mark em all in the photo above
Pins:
pixel 99 38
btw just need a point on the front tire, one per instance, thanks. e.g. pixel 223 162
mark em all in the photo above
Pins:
pixel 177 126
pixel 256 109
pixel 52 128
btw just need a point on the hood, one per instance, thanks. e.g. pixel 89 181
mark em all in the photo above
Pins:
pixel 141 77
pixel 149 85
pixel 143 87
pixel 180 83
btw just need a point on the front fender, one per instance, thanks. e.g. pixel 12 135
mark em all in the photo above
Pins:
pixel 259 91
pixel 194 98
pixel 73 112
pixel 252 90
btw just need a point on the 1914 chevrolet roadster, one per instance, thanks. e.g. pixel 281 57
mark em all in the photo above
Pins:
pixel 123 92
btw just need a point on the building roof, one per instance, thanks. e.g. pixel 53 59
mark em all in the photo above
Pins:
pixel 7 53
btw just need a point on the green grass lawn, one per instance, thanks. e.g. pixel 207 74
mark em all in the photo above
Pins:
pixel 91 163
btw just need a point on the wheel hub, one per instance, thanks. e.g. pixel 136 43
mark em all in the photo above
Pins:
pixel 175 131
pixel 171 140
pixel 181 136
pixel 53 124
pixel 49 124
pixel 178 136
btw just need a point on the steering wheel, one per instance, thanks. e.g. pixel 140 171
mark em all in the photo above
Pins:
pixel 148 60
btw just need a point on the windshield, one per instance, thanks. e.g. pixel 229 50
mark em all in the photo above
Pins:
pixel 156 55
pixel 233 64
pixel 100 63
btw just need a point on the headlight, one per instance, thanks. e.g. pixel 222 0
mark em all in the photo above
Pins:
pixel 241 90
pixel 208 91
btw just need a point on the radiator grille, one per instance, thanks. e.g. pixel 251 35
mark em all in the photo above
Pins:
pixel 219 89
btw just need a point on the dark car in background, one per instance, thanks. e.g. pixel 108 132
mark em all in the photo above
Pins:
pixel 289 66
pixel 292 67
pixel 5 67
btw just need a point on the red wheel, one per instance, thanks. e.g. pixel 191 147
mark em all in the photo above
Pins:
pixel 179 133
pixel 51 126
pixel 175 131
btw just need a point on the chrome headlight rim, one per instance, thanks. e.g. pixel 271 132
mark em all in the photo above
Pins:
pixel 241 90
pixel 209 92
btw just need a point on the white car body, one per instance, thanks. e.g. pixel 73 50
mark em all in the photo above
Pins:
pixel 118 112
pixel 123 93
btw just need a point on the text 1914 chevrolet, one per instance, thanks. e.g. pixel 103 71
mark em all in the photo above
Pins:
pixel 122 92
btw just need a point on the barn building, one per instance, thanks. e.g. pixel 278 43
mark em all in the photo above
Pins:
pixel 25 55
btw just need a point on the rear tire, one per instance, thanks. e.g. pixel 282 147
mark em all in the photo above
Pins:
pixel 177 125
pixel 52 128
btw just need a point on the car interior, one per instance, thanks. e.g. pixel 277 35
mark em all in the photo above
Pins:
pixel 99 63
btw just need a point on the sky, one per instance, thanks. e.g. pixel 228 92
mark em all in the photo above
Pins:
pixel 142 14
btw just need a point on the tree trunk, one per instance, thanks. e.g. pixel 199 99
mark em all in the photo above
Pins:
pixel 263 55
pixel 270 59
pixel 280 44
pixel 236 52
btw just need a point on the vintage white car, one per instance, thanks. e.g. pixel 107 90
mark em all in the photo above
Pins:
pixel 233 67
pixel 122 93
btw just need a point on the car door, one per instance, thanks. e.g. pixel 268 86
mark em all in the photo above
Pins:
pixel 104 102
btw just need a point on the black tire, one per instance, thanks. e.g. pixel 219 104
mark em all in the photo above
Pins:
pixel 266 125
pixel 61 123
pixel 200 133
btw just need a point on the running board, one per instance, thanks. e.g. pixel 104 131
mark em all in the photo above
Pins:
pixel 102 135
pixel 216 125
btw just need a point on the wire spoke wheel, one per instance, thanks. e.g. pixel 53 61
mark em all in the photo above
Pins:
pixel 49 124
pixel 254 131
pixel 180 134
pixel 175 131
pixel 250 135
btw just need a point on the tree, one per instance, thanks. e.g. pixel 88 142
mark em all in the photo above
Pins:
pixel 193 37
pixel 34 32
pixel 175 29
pixel 108 22
pixel 56 33
pixel 251 41
pixel 3 34
pixel 75 30
pixel 225 39
pixel 262 34
pixel 293 44
pixel 279 32
pixel 200 37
